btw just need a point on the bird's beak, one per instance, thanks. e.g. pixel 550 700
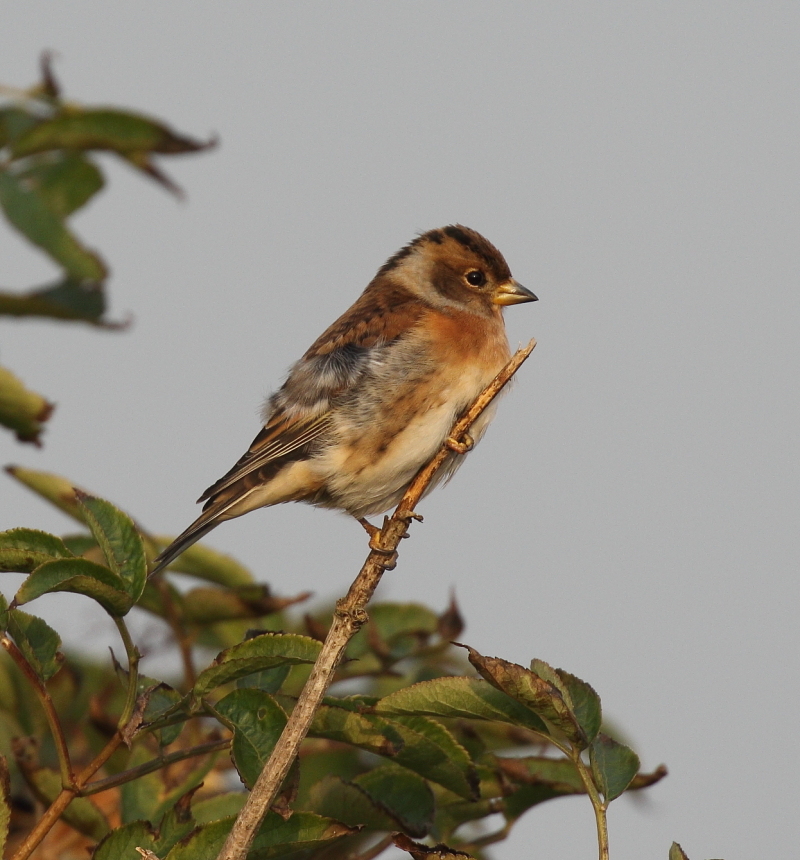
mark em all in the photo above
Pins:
pixel 512 293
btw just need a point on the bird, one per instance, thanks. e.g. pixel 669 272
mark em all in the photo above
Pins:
pixel 376 395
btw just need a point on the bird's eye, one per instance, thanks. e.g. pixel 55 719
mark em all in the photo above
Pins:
pixel 476 278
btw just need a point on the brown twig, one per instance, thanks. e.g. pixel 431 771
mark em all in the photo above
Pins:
pixel 348 618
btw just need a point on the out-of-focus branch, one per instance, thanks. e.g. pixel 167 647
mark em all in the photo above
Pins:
pixel 348 618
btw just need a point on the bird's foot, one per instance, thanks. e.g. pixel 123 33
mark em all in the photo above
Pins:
pixel 460 447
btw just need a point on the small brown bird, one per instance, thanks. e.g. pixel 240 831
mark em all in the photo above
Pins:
pixel 377 394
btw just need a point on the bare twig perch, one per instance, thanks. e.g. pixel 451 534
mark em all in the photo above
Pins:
pixel 349 616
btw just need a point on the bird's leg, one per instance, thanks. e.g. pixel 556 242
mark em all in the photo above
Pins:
pixel 460 447
pixel 374 537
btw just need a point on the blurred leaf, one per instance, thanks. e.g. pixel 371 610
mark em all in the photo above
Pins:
pixel 27 211
pixel 81 814
pixel 5 805
pixel 121 543
pixel 57 490
pixel 344 801
pixel 22 410
pixel 104 128
pixel 370 733
pixel 209 605
pixel 64 184
pixel 426 852
pixel 540 695
pixel 14 122
pixel 208 564
pixel 23 550
pixel 460 697
pixel 613 766
pixel 37 641
pixel 221 806
pixel 261 652
pixel 401 793
pixel 677 853
pixel 80 544
pixel 161 700
pixel 268 680
pixel 257 721
pixel 80 577
pixel 67 299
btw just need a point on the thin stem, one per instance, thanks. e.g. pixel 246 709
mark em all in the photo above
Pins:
pixel 349 617
pixel 133 671
pixel 598 805
pixel 62 751
pixel 151 766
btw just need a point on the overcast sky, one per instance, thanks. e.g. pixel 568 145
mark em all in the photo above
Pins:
pixel 632 514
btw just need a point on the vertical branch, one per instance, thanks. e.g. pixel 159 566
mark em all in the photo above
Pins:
pixel 348 618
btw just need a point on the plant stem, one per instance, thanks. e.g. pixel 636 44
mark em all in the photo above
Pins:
pixel 151 766
pixel 598 805
pixel 133 671
pixel 349 617
pixel 62 751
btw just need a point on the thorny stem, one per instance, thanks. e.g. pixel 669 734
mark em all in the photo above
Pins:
pixel 49 709
pixel 598 805
pixel 67 795
pixel 151 766
pixel 349 617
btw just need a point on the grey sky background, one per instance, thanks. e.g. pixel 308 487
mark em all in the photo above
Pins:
pixel 632 514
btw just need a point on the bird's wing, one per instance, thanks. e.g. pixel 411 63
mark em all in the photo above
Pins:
pixel 300 412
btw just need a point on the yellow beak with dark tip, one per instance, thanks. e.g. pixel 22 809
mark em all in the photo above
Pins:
pixel 512 293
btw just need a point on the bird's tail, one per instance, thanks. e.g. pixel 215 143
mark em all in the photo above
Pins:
pixel 200 527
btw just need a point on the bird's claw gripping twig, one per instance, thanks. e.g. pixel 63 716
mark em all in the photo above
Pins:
pixel 460 447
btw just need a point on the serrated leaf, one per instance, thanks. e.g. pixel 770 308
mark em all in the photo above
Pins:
pixel 66 299
pixel 402 794
pixel 106 129
pixel 346 802
pixel 119 540
pixel 79 576
pixel 614 765
pixel 257 721
pixel 27 211
pixel 430 750
pixel 23 550
pixel 471 698
pixel 261 652
pixel 542 696
pixel 677 853
pixel 367 732
pixel 64 184
pixel 585 703
pixel 57 490
pixel 208 564
pixel 22 410
pixel 122 842
pixel 38 642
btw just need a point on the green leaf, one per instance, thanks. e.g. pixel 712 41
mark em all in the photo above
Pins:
pixel 334 797
pixel 268 680
pixel 298 836
pixel 430 750
pixel 64 184
pixel 208 564
pixel 677 853
pixel 613 766
pixel 257 721
pixel 261 652
pixel 119 540
pixel 104 128
pixel 210 605
pixel 22 410
pixel 162 700
pixel 23 550
pixel 221 806
pixel 460 697
pixel 14 122
pixel 401 793
pixel 38 642
pixel 27 211
pixel 78 576
pixel 542 696
pixel 5 804
pixel 57 490
pixel 584 702
pixel 66 299
pixel 370 733
pixel 122 842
